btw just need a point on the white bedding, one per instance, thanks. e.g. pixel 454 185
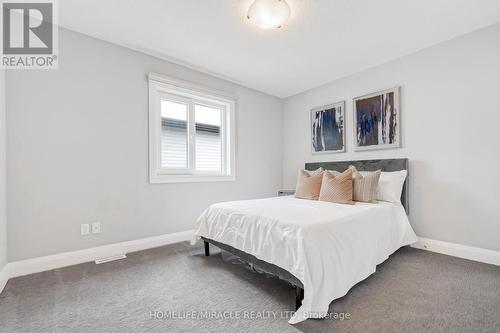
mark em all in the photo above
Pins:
pixel 329 247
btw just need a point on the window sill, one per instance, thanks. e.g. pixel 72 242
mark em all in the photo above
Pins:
pixel 166 179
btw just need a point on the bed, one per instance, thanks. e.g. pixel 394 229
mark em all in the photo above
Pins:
pixel 321 248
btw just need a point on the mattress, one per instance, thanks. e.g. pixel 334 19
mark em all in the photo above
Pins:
pixel 329 247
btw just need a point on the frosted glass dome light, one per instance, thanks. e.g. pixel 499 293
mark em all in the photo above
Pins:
pixel 268 14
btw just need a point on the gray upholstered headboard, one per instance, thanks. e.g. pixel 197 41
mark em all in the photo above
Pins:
pixel 371 165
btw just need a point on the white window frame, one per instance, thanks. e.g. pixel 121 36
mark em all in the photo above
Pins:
pixel 191 94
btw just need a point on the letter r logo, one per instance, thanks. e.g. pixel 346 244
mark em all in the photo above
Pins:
pixel 27 27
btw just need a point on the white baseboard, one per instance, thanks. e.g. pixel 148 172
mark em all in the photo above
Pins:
pixel 40 264
pixel 4 277
pixel 458 250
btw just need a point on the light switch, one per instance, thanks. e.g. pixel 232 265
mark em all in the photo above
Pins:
pixel 84 229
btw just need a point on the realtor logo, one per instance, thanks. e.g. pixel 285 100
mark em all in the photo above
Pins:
pixel 29 34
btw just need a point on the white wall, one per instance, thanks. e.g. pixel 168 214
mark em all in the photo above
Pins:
pixel 77 145
pixel 78 151
pixel 3 171
pixel 450 129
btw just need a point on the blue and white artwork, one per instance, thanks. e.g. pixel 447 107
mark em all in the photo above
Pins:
pixel 327 125
pixel 376 120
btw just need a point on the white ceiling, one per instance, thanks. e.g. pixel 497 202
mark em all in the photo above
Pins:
pixel 323 41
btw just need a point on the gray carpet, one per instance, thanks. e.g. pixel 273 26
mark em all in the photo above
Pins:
pixel 413 291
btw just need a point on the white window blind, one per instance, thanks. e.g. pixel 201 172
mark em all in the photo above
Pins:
pixel 208 152
pixel 174 148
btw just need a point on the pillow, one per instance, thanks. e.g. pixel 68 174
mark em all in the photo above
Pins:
pixel 390 186
pixel 337 188
pixel 313 172
pixel 364 186
pixel 309 184
pixel 333 172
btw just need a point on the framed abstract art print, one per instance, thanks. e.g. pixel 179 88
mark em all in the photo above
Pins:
pixel 327 128
pixel 377 119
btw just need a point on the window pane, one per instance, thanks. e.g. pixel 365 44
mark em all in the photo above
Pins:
pixel 208 138
pixel 174 144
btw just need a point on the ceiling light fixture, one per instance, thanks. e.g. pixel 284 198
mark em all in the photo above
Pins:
pixel 268 14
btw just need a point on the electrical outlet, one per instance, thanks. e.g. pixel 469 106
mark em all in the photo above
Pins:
pixel 96 227
pixel 85 229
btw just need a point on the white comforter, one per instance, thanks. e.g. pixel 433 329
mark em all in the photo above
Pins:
pixel 328 247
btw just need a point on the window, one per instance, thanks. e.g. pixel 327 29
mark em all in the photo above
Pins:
pixel 191 132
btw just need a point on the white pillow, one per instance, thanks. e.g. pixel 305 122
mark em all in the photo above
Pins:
pixel 390 186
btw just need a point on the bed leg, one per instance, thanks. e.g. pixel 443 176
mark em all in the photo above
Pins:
pixel 207 249
pixel 299 296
